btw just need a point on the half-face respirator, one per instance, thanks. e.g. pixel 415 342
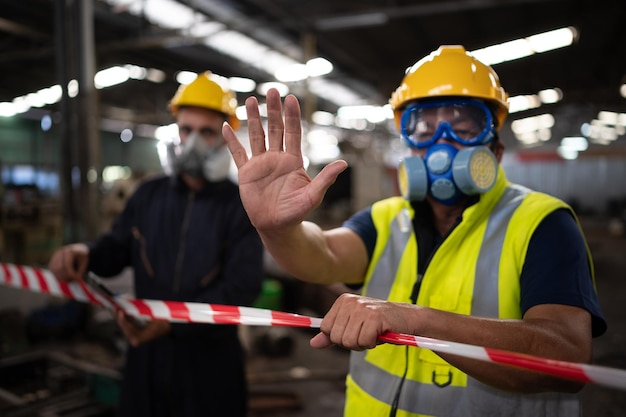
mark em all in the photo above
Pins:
pixel 445 172
pixel 198 159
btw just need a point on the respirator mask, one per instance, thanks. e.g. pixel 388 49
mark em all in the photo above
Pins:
pixel 198 159
pixel 446 173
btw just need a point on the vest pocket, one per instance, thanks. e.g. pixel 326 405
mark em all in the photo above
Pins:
pixel 432 369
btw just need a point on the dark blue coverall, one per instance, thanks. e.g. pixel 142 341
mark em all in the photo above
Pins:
pixel 185 246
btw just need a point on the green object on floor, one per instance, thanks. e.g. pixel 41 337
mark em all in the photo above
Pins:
pixel 271 295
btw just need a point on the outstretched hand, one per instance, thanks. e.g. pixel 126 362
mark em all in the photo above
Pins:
pixel 275 189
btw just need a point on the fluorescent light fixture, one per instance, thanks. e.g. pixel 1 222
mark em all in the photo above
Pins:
pixel 72 88
pixel 166 133
pixel 155 75
pixel 239 46
pixel 606 128
pixel 7 109
pixel 550 95
pixel 553 39
pixel 520 48
pixel 297 72
pixel 167 13
pixel 566 153
pixel 292 73
pixel 373 114
pixel 111 76
pixel 525 102
pixel 206 28
pixel 186 77
pixel 532 130
pixel 608 117
pixel 136 72
pixel 322 146
pixel 318 66
pixel 126 135
pixel 242 85
pixel 532 123
pixel 283 90
pixel 334 92
pixel 577 143
pixel 323 118
pixel 241 113
pixel 533 101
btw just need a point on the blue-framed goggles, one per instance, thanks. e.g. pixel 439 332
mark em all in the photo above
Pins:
pixel 468 122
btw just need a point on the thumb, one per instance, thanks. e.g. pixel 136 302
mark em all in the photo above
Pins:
pixel 320 341
pixel 327 176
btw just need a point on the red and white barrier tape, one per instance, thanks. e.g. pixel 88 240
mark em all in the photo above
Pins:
pixel 40 280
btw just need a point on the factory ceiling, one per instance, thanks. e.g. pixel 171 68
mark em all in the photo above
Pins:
pixel 370 43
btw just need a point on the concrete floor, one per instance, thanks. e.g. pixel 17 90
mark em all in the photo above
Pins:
pixel 309 382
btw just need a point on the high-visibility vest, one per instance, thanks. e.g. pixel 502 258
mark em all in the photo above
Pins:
pixel 475 271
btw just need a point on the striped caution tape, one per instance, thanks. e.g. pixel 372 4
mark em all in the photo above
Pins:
pixel 43 281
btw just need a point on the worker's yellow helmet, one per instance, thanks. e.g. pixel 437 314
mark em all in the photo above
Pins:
pixel 209 91
pixel 451 71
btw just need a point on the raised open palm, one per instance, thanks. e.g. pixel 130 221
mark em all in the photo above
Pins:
pixel 275 189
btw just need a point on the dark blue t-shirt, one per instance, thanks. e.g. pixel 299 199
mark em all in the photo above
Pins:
pixel 549 276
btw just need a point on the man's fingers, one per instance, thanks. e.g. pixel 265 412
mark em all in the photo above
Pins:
pixel 293 126
pixel 275 125
pixel 238 152
pixel 255 126
pixel 320 341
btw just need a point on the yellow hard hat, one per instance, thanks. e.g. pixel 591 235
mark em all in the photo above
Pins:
pixel 208 91
pixel 451 71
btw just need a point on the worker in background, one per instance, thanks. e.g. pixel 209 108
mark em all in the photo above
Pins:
pixel 188 238
pixel 463 255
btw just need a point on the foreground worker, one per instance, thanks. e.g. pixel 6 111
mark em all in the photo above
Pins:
pixel 463 255
pixel 187 238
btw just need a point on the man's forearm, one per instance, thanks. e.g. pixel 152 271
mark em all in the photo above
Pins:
pixel 313 255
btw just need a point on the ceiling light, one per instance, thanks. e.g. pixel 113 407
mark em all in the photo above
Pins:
pixel 206 28
pixel 241 85
pixel 533 123
pixel 565 153
pixel 241 113
pixel 318 66
pixel 186 77
pixel 521 103
pixel 577 143
pixel 283 90
pixel 553 39
pixel 111 76
pixel 292 73
pixel 550 96
pixel 323 118
pixel 155 75
pixel 334 92
pixel 520 48
pixel 7 109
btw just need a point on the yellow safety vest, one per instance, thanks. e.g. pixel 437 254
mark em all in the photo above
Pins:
pixel 475 271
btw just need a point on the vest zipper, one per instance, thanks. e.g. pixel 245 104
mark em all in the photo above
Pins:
pixel 178 271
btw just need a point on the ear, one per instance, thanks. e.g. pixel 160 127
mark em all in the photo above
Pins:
pixel 498 149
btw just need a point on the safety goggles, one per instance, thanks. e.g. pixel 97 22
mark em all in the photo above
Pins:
pixel 468 122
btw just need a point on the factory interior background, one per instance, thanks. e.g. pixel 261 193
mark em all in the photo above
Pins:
pixel 71 156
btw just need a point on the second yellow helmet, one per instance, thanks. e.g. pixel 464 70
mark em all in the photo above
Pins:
pixel 207 91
